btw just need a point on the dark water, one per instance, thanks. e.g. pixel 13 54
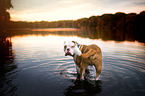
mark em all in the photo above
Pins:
pixel 35 65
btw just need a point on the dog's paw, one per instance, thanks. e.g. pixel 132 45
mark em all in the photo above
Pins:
pixel 82 79
pixel 97 79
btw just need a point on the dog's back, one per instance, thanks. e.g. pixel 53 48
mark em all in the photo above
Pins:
pixel 94 55
pixel 86 48
pixel 95 47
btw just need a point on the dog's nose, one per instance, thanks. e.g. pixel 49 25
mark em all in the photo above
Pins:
pixel 68 49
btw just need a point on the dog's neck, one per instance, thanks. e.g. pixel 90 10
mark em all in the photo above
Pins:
pixel 77 51
pixel 79 46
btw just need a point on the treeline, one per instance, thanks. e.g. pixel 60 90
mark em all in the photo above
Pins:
pixel 120 25
pixel 42 24
pixel 112 21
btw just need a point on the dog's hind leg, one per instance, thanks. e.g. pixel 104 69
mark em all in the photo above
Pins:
pixel 98 70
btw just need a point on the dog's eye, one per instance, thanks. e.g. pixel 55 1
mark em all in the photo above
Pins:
pixel 64 47
pixel 72 46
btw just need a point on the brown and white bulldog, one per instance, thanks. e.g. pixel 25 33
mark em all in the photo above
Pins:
pixel 83 56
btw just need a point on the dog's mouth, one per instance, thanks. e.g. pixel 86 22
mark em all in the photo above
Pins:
pixel 68 53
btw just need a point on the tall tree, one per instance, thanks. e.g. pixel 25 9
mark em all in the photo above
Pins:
pixel 5 5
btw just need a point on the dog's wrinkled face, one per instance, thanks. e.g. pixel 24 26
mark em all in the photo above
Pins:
pixel 69 47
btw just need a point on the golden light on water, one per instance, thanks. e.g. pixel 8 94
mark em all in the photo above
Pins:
pixel 56 40
pixel 56 29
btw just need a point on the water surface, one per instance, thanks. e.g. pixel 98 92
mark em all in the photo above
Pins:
pixel 37 67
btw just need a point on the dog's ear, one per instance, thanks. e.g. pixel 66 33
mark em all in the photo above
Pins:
pixel 64 42
pixel 75 42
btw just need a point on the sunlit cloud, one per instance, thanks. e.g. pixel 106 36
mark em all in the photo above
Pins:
pixel 52 10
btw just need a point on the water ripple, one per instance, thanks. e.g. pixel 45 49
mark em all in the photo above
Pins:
pixel 44 67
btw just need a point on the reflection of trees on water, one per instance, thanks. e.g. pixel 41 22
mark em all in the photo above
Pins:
pixel 7 68
pixel 84 33
pixel 5 50
pixel 120 26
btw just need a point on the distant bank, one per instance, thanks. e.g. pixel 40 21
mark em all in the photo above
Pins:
pixel 118 25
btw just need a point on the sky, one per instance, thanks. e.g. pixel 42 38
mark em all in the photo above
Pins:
pixel 54 10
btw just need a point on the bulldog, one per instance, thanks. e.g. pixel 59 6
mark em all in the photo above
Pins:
pixel 83 56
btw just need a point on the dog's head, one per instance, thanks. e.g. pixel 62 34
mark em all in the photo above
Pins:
pixel 71 48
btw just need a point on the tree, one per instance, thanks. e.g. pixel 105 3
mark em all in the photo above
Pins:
pixel 82 23
pixel 4 14
pixel 119 26
pixel 130 26
pixel 93 21
pixel 140 27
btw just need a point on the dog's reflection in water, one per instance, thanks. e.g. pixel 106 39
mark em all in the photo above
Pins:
pixel 84 88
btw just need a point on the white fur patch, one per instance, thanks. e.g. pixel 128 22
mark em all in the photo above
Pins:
pixel 77 51
pixel 72 50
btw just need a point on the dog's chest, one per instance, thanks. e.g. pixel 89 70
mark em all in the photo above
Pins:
pixel 77 60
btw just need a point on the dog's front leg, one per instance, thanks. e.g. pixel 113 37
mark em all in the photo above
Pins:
pixel 78 69
pixel 78 72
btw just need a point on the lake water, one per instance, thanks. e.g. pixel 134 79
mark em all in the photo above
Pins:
pixel 37 66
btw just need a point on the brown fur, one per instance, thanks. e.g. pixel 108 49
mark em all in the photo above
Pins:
pixel 91 55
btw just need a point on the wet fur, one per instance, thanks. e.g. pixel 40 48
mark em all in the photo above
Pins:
pixel 91 55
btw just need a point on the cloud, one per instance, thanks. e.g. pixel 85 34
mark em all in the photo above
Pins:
pixel 140 3
pixel 71 9
pixel 62 13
